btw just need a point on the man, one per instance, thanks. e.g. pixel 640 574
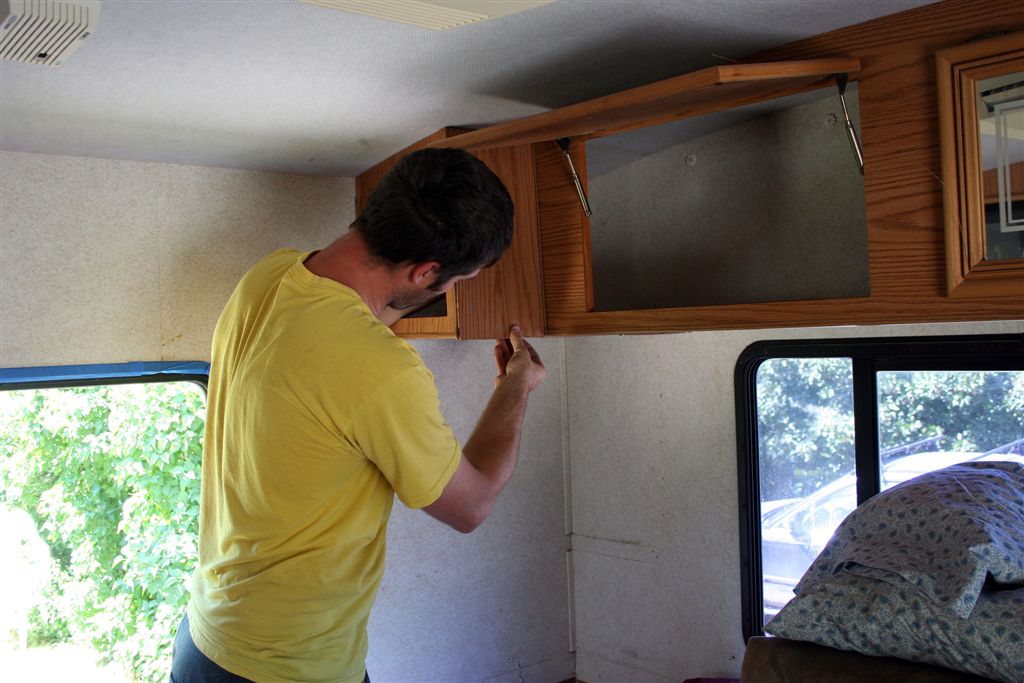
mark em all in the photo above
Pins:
pixel 318 415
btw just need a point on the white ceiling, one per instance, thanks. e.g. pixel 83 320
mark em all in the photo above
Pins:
pixel 280 85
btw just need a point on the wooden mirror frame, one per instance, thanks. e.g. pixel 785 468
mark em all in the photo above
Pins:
pixel 968 272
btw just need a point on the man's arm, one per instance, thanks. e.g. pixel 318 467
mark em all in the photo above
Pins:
pixel 489 457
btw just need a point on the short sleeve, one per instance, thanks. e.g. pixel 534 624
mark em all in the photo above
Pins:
pixel 402 432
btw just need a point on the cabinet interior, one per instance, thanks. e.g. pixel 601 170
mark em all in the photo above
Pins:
pixel 754 204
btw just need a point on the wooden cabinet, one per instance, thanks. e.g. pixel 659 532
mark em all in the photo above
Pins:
pixel 902 173
pixel 546 281
pixel 672 252
pixel 506 293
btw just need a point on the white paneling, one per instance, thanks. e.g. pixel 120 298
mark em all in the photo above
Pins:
pixel 79 258
pixel 655 509
pixel 112 261
pixel 215 223
pixel 491 605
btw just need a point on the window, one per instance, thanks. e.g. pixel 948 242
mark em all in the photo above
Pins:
pixel 824 425
pixel 99 498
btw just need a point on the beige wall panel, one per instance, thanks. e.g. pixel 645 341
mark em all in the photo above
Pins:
pixel 218 222
pixel 78 261
pixel 112 261
pixel 492 605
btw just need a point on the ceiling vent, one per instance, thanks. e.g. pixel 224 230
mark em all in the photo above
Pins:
pixel 45 31
pixel 435 14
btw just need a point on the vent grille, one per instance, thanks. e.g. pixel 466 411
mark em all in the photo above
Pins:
pixel 435 14
pixel 45 31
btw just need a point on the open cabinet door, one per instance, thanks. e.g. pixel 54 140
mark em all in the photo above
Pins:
pixel 506 293
pixel 701 92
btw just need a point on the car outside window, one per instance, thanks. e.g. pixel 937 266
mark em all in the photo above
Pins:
pixel 823 426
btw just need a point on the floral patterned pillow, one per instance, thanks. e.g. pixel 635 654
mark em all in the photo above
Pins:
pixel 940 536
pixel 851 612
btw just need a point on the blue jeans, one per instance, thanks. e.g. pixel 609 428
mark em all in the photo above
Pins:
pixel 189 665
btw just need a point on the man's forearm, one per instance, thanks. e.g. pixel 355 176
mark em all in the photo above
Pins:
pixel 494 445
pixel 489 457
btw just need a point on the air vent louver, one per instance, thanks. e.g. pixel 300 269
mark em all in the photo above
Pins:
pixel 45 31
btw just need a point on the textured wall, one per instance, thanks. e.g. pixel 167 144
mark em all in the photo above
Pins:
pixel 655 544
pixel 110 261
pixel 492 605
pixel 771 209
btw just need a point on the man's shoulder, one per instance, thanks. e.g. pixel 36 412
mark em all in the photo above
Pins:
pixel 282 259
pixel 390 351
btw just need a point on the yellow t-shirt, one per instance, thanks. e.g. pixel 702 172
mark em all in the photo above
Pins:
pixel 317 415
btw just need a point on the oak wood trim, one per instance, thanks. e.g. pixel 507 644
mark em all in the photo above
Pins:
pixel 899 126
pixel 701 92
pixel 959 68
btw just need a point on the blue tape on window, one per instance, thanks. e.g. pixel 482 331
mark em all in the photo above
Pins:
pixel 71 373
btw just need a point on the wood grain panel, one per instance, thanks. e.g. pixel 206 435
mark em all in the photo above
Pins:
pixel 701 92
pixel 510 291
pixel 561 234
pixel 903 188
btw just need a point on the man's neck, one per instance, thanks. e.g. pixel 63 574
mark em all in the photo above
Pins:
pixel 348 261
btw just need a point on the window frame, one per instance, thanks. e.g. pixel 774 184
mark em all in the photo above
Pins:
pixel 869 356
pixel 61 376
pixel 96 375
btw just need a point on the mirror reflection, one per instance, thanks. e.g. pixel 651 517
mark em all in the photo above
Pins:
pixel 1001 143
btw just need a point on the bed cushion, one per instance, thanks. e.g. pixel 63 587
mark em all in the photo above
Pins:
pixel 941 534
pixel 931 570
pixel 873 617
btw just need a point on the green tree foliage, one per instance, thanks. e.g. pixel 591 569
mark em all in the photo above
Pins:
pixel 805 424
pixel 970 411
pixel 110 475
pixel 806 427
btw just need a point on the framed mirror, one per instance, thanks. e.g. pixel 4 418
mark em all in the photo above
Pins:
pixel 981 115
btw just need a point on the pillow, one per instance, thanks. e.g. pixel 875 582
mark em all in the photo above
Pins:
pixel 939 535
pixel 851 612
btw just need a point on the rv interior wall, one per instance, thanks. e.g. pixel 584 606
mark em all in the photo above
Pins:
pixel 114 261
pixel 120 261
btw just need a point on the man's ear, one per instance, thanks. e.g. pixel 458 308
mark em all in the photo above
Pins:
pixel 424 274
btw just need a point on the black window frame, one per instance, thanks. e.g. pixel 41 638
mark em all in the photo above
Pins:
pixel 869 356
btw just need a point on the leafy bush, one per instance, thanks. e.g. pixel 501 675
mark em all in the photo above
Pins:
pixel 110 475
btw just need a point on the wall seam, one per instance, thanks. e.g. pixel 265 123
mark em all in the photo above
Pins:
pixel 567 497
